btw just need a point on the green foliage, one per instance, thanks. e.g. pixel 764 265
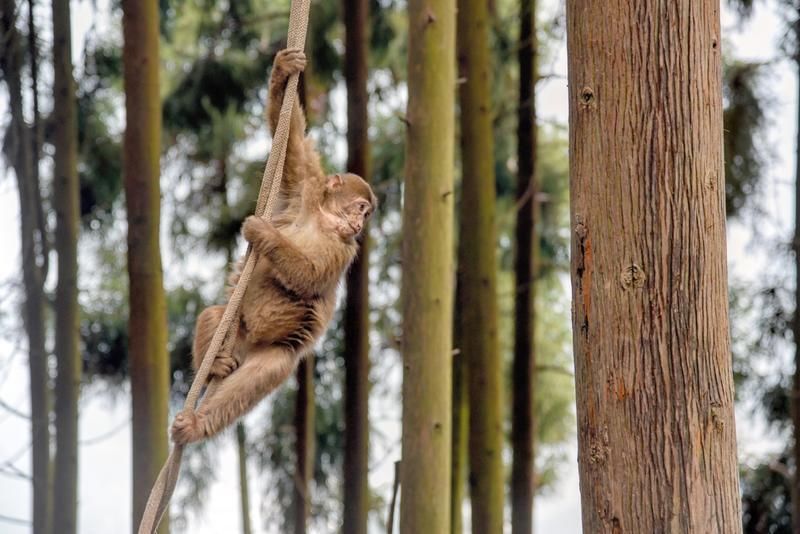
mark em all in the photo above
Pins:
pixel 99 136
pixel 744 8
pixel 744 122
pixel 766 498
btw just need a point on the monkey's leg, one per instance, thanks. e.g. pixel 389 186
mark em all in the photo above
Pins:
pixel 263 371
pixel 207 323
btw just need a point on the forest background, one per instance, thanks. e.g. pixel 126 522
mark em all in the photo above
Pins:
pixel 204 141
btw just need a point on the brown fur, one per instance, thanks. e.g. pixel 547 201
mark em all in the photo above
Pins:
pixel 290 299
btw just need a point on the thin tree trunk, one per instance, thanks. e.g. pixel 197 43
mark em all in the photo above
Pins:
pixel 304 415
pixel 65 200
pixel 149 363
pixel 36 141
pixel 654 381
pixel 477 270
pixel 244 491
pixel 356 312
pixel 427 292
pixel 19 152
pixel 795 396
pixel 523 428
pixel 460 422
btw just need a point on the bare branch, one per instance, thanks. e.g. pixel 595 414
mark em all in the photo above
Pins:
pixel 13 411
pixel 14 520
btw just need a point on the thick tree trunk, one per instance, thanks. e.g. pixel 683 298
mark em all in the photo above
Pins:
pixel 356 312
pixel 656 432
pixel 477 270
pixel 304 415
pixel 795 396
pixel 427 293
pixel 32 239
pixel 65 200
pixel 523 429
pixel 149 364
pixel 244 491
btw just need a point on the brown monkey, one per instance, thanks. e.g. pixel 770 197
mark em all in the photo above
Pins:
pixel 301 256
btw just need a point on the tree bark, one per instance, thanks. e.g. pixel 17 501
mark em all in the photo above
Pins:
pixel 244 491
pixel 304 416
pixel 19 151
pixel 523 424
pixel 654 382
pixel 427 292
pixel 477 270
pixel 65 200
pixel 149 363
pixel 356 312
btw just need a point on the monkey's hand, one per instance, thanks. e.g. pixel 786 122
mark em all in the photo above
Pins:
pixel 257 230
pixel 187 428
pixel 287 62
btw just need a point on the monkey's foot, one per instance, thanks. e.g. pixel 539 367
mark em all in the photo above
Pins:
pixel 186 428
pixel 223 366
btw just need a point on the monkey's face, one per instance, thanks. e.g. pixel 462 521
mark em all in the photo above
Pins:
pixel 351 202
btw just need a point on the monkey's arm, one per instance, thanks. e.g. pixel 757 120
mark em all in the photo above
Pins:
pixel 295 270
pixel 302 159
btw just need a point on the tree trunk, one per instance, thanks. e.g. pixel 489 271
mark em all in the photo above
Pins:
pixel 523 428
pixel 427 293
pixel 304 415
pixel 36 141
pixel 65 199
pixel 477 270
pixel 654 384
pixel 460 422
pixel 244 491
pixel 795 396
pixel 356 312
pixel 19 152
pixel 149 363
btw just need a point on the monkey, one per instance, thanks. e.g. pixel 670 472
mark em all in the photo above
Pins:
pixel 300 258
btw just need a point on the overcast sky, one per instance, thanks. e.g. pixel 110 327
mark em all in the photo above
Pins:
pixel 105 468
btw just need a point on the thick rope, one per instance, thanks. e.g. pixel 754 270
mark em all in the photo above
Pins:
pixel 224 336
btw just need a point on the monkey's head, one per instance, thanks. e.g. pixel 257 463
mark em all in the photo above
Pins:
pixel 347 204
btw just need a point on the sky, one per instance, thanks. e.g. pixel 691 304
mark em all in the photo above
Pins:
pixel 105 466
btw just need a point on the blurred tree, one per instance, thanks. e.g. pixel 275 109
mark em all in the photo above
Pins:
pixel 766 498
pixel 476 310
pixel 147 327
pixel 17 149
pixel 356 312
pixel 244 491
pixel 747 77
pixel 305 443
pixel 744 120
pixel 652 349
pixel 67 332
pixel 427 292
pixel 460 422
pixel 523 428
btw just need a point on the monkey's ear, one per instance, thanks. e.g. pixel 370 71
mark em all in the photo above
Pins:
pixel 335 181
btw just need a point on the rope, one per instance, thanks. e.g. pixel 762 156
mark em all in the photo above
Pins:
pixel 226 331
